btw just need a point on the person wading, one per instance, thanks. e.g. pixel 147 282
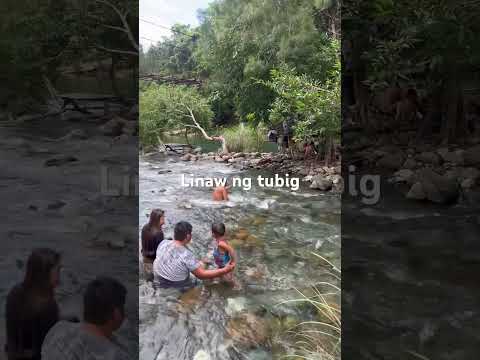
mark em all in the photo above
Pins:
pixel 93 339
pixel 152 236
pixel 175 262
pixel 31 308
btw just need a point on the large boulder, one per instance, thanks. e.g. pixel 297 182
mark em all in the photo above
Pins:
pixel 437 188
pixel 321 183
pixel 248 330
pixel 404 175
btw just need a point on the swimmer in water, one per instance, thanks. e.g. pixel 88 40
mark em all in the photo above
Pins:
pixel 220 193
pixel 224 254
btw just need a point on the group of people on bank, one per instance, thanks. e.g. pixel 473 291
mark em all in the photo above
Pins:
pixel 170 263
pixel 36 329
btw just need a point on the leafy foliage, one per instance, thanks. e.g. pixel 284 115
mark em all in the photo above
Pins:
pixel 315 105
pixel 245 138
pixel 164 108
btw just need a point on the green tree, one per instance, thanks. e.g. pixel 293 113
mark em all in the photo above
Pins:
pixel 166 108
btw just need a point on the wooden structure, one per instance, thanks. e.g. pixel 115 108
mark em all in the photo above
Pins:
pixel 84 103
pixel 178 148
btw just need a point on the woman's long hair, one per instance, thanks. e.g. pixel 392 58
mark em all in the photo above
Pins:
pixel 39 267
pixel 155 217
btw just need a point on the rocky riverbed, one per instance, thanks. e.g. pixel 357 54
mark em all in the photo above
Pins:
pixel 442 174
pixel 319 177
pixel 52 185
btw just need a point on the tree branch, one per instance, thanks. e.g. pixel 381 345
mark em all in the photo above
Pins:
pixel 123 18
pixel 116 50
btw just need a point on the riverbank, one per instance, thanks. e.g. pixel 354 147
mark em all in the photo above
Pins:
pixel 421 171
pixel 318 176
pixel 52 185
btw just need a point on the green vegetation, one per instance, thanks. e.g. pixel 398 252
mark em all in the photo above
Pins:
pixel 319 338
pixel 427 45
pixel 245 138
pixel 165 108
pixel 258 62
pixel 40 39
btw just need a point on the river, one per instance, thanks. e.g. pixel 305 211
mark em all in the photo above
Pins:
pixel 283 228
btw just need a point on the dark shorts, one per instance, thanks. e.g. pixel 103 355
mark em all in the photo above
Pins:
pixel 285 140
pixel 162 283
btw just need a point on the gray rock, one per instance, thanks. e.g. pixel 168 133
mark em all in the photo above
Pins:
pixel 60 161
pixel 186 157
pixel 320 183
pixel 467 184
pixel 439 189
pixel 416 192
pixel 470 173
pixel 404 175
pixel 79 134
pixel 472 155
pixel 197 150
pixel 429 157
pixel 455 157
pixel 391 161
pixel 410 164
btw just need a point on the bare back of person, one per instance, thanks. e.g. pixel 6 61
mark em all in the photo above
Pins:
pixel 220 194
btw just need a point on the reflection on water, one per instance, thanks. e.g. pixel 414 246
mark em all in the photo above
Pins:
pixel 273 232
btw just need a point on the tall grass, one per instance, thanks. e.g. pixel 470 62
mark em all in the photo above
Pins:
pixel 245 138
pixel 318 339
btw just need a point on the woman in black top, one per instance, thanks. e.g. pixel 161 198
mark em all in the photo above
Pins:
pixel 31 308
pixel 152 235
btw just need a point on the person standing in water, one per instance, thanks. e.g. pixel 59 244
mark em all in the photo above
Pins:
pixel 175 262
pixel 220 193
pixel 223 254
pixel 92 339
pixel 152 236
pixel 31 309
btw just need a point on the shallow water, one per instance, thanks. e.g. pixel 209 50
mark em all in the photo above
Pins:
pixel 284 227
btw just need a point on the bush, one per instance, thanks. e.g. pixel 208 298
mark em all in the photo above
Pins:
pixel 245 138
pixel 164 108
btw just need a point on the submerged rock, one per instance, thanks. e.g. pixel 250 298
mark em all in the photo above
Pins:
pixel 248 330
pixel 60 161
pixel 201 355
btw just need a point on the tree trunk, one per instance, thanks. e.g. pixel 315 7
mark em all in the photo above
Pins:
pixel 205 135
pixel 454 124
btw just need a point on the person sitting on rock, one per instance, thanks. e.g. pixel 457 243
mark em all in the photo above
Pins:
pixel 175 262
